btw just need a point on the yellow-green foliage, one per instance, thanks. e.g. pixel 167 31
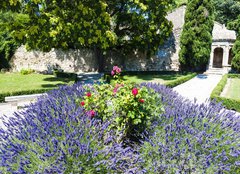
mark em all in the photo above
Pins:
pixel 104 24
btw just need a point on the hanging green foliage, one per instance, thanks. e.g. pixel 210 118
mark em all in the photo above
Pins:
pixel 105 24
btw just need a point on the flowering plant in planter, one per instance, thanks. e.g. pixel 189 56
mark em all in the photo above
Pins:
pixel 130 106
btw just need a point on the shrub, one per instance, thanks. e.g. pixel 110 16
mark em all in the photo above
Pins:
pixel 227 102
pixel 236 50
pixel 180 80
pixel 192 138
pixel 196 37
pixel 55 135
pixel 25 92
pixel 26 71
pixel 134 107
pixel 61 74
pixel 108 78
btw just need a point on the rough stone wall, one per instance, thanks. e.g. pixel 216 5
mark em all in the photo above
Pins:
pixel 84 60
pixel 69 61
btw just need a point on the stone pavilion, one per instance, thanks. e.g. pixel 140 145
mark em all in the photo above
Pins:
pixel 221 51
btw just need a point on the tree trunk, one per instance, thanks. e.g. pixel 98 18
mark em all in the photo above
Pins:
pixel 100 58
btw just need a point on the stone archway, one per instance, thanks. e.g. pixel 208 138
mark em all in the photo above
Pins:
pixel 218 58
pixel 230 56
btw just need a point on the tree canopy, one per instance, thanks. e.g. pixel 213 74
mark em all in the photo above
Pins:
pixel 226 11
pixel 196 37
pixel 8 43
pixel 104 24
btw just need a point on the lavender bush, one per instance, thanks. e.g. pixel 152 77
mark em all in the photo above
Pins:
pixel 54 135
pixel 191 138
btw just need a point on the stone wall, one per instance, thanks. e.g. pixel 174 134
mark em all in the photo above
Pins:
pixel 84 60
pixel 70 60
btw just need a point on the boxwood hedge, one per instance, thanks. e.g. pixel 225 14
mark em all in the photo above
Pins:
pixel 229 103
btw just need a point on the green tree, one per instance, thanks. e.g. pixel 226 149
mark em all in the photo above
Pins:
pixel 196 37
pixel 100 25
pixel 8 43
pixel 236 47
pixel 226 11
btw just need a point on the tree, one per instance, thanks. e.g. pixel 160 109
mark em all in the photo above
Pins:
pixel 226 11
pixel 196 37
pixel 101 25
pixel 236 47
pixel 8 44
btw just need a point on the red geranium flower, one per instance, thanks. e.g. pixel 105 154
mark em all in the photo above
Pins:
pixel 82 103
pixel 134 91
pixel 141 100
pixel 89 94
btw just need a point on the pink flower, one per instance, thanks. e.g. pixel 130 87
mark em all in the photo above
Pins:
pixel 112 73
pixel 82 103
pixel 134 91
pixel 118 70
pixel 89 94
pixel 141 100
pixel 115 90
pixel 91 113
pixel 115 68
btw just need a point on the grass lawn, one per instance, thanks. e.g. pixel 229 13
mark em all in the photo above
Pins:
pixel 233 90
pixel 157 78
pixel 11 83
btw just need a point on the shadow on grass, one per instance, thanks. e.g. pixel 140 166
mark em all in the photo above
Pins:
pixel 57 79
pixel 51 85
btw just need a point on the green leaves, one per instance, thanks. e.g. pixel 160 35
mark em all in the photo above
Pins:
pixel 113 24
pixel 196 38
pixel 130 108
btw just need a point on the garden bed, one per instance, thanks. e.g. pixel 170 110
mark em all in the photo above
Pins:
pixel 58 135
pixel 12 84
pixel 231 96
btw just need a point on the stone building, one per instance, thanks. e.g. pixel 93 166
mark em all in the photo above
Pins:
pixel 221 51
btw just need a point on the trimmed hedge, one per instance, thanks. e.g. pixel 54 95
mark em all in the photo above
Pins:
pixel 180 80
pixel 171 84
pixel 35 91
pixel 229 103
pixel 69 75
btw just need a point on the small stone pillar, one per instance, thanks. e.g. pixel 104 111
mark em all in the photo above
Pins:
pixel 225 56
pixel 211 57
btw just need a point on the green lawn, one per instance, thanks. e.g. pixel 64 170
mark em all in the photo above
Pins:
pixel 16 84
pixel 234 89
pixel 157 78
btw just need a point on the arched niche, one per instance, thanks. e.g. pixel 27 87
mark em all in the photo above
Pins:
pixel 218 57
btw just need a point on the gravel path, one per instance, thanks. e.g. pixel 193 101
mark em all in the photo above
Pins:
pixel 199 88
pixel 7 110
